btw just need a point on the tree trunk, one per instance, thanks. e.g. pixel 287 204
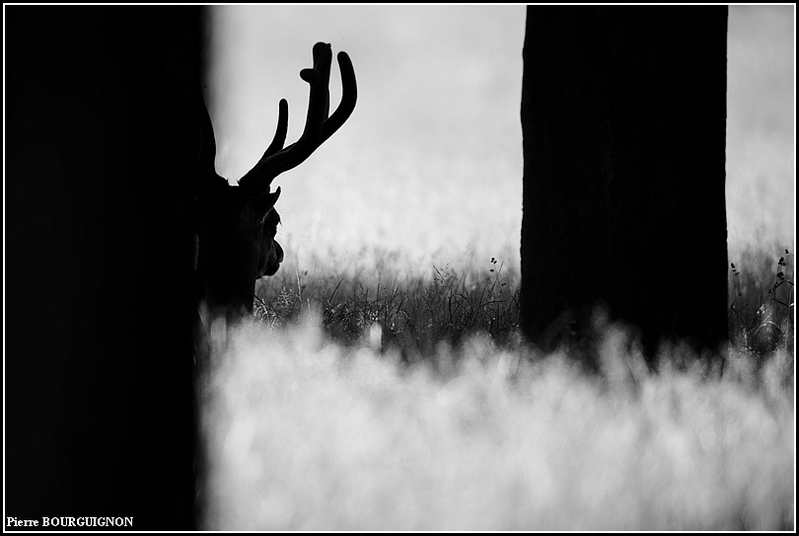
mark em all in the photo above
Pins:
pixel 624 118
pixel 101 147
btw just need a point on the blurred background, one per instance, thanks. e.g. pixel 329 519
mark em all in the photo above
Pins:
pixel 428 170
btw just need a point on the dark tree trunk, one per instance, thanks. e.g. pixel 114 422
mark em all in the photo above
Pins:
pixel 101 144
pixel 624 117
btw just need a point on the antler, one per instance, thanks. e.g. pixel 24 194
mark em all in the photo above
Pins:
pixel 318 126
pixel 209 178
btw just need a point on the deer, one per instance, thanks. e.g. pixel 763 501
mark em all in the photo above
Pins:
pixel 235 226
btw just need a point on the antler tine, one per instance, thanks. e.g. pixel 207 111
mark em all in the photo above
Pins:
pixel 209 180
pixel 205 160
pixel 280 132
pixel 318 105
pixel 318 127
pixel 349 95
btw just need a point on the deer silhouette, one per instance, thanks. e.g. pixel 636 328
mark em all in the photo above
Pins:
pixel 236 225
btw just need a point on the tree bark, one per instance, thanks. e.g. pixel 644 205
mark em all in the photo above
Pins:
pixel 624 123
pixel 101 148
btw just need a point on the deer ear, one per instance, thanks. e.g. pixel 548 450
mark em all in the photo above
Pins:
pixel 265 203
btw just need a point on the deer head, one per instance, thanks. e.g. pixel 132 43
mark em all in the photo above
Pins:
pixel 236 225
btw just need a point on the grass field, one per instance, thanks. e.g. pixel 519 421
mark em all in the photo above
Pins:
pixel 384 402
pixel 315 436
pixel 382 384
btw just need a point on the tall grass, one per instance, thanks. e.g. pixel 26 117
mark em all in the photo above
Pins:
pixel 412 314
pixel 762 302
pixel 377 401
pixel 415 313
